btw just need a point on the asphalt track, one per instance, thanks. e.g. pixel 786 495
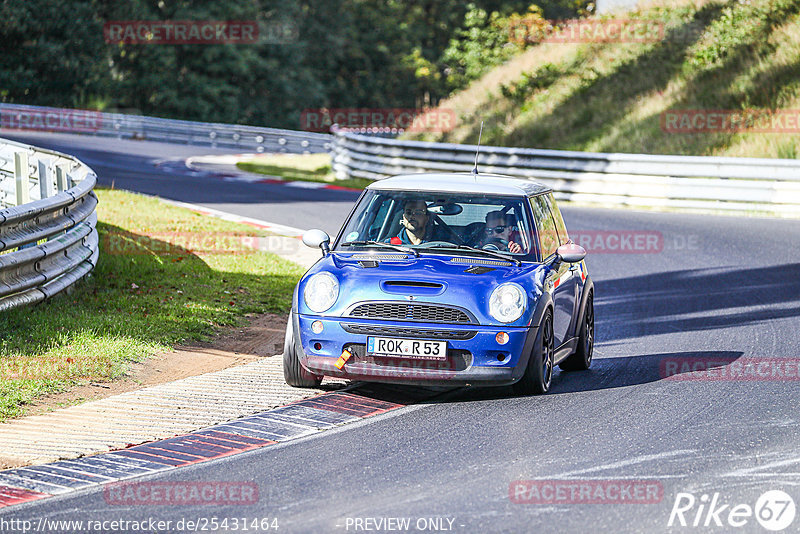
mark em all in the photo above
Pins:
pixel 717 288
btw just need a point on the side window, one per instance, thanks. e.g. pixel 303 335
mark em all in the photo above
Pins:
pixel 560 226
pixel 522 233
pixel 548 236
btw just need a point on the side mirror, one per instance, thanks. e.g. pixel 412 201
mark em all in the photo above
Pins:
pixel 317 239
pixel 571 253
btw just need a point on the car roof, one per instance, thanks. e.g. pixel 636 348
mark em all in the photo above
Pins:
pixel 491 184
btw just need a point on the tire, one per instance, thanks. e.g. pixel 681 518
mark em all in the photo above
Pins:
pixel 294 373
pixel 539 372
pixel 581 359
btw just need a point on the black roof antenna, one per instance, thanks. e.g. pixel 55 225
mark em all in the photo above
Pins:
pixel 477 151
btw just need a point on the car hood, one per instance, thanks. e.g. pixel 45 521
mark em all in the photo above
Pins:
pixel 463 281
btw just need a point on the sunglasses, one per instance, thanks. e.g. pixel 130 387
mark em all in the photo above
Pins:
pixel 415 212
pixel 496 229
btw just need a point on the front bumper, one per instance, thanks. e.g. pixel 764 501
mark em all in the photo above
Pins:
pixel 473 354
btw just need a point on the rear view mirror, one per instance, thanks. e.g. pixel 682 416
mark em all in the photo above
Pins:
pixel 571 253
pixel 445 208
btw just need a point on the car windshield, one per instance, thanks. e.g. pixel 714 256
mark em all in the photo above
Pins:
pixel 438 222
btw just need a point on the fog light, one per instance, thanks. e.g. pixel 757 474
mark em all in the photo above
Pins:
pixel 317 346
pixel 316 327
pixel 501 338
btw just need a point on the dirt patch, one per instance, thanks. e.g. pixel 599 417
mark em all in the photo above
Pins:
pixel 261 337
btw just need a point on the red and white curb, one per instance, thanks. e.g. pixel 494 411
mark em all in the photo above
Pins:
pixel 295 420
pixel 275 228
pixel 235 175
pixel 298 184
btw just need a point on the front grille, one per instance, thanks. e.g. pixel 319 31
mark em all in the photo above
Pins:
pixel 401 311
pixel 431 333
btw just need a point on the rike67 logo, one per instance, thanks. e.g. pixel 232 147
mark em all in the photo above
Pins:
pixel 774 510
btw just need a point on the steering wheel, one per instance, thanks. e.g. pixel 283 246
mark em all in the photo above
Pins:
pixel 433 244
pixel 495 243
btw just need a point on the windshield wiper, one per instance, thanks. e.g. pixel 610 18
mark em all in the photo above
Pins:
pixel 482 251
pixel 407 250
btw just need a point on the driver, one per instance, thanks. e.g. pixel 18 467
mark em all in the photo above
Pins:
pixel 415 222
pixel 498 233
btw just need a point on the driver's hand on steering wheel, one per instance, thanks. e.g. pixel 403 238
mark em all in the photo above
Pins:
pixel 514 248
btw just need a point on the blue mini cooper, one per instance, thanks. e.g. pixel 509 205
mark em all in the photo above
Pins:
pixel 444 279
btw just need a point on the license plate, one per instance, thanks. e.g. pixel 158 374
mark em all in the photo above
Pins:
pixel 407 348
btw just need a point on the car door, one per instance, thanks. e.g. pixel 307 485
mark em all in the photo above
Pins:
pixel 571 281
pixel 563 279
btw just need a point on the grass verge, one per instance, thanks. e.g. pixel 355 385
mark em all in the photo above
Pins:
pixel 165 275
pixel 612 97
pixel 300 167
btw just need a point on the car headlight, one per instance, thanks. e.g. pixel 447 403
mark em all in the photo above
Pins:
pixel 321 291
pixel 507 303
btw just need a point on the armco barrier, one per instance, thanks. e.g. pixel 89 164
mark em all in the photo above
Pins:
pixel 48 239
pixel 688 182
pixel 123 126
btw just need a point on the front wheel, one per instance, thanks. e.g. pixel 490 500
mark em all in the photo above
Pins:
pixel 294 373
pixel 539 371
pixel 581 359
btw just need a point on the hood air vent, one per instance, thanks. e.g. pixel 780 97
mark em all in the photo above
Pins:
pixel 412 283
pixel 479 269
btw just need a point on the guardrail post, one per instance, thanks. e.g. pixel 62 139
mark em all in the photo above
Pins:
pixel 62 180
pixel 22 177
pixel 45 183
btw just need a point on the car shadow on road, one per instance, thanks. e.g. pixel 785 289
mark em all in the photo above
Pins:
pixel 695 300
pixel 624 371
pixel 605 373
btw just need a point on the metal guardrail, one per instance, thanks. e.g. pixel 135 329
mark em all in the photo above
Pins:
pixel 690 182
pixel 123 126
pixel 48 239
